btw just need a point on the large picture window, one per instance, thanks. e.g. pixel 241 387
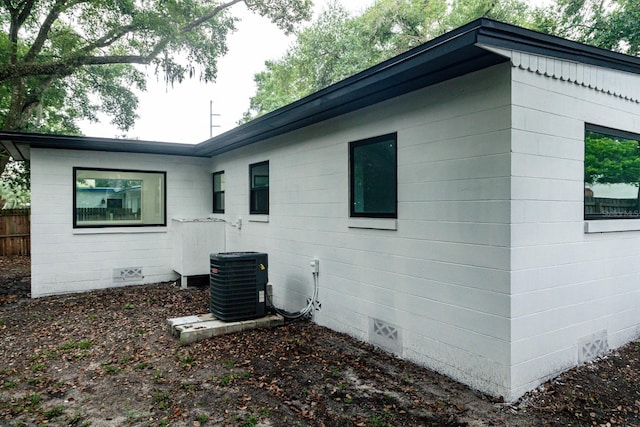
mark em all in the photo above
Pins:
pixel 259 188
pixel 373 177
pixel 118 198
pixel 611 174
pixel 218 192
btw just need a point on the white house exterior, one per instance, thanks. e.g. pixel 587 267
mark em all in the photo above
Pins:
pixel 485 269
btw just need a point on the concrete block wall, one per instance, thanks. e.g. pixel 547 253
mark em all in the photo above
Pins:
pixel 67 260
pixel 569 287
pixel 438 276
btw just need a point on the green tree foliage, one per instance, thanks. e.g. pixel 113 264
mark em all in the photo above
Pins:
pixel 337 45
pixel 63 60
pixel 609 24
pixel 609 160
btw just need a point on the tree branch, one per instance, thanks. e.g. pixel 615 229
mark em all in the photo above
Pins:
pixel 67 66
pixel 43 34
pixel 108 39
pixel 208 16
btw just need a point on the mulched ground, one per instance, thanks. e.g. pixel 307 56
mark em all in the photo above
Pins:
pixel 105 358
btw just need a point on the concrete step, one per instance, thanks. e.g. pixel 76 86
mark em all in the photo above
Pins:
pixel 199 327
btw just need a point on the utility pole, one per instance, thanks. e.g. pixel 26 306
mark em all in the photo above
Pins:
pixel 211 115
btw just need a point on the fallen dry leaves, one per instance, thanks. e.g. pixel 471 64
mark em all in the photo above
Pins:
pixel 105 358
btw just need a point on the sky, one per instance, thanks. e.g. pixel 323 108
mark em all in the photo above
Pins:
pixel 182 113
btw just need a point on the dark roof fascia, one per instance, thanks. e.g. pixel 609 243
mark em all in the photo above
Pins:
pixel 17 143
pixel 453 54
pixel 506 36
pixel 375 84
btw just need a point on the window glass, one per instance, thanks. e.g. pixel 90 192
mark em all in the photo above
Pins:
pixel 259 182
pixel 373 176
pixel 106 197
pixel 218 192
pixel 611 175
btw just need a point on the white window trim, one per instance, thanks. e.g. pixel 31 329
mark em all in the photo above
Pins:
pixel 611 225
pixel 373 223
pixel 121 230
pixel 258 218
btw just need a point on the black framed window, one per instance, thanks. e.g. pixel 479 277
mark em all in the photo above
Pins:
pixel 118 198
pixel 611 174
pixel 218 192
pixel 373 177
pixel 259 188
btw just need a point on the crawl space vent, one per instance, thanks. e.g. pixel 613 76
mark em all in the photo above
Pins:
pixel 385 335
pixel 127 274
pixel 592 346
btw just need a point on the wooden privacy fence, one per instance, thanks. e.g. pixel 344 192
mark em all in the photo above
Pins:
pixel 15 232
pixel 610 208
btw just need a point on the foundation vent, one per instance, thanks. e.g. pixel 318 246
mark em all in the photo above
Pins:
pixel 127 274
pixel 385 335
pixel 592 346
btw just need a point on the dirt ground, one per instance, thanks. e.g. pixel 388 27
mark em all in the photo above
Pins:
pixel 105 358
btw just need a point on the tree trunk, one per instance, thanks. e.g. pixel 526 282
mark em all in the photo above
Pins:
pixel 15 119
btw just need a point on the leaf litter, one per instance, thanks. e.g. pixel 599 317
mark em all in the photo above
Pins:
pixel 105 358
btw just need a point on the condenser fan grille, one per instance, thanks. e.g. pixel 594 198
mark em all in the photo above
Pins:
pixel 237 285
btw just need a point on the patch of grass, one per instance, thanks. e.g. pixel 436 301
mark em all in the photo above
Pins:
pixel 161 400
pixel 380 420
pixel 229 363
pixel 264 412
pixel 110 369
pixel 250 421
pixel 34 399
pixel 187 359
pixel 246 374
pixel 34 381
pixel 124 359
pixel 91 317
pixel 202 418
pixel 226 380
pixel 72 345
pixel 9 384
pixel 128 307
pixel 141 365
pixel 74 419
pixel 38 367
pixel 187 386
pixel 54 412
pixel 158 375
pixel 50 354
pixel 3 322
pixel 335 372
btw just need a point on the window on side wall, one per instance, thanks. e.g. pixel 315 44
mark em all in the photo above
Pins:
pixel 118 198
pixel 259 188
pixel 218 192
pixel 611 174
pixel 373 177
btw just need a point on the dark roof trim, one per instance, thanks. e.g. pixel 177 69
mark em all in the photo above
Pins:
pixel 451 55
pixel 19 143
pixel 501 35
pixel 461 51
